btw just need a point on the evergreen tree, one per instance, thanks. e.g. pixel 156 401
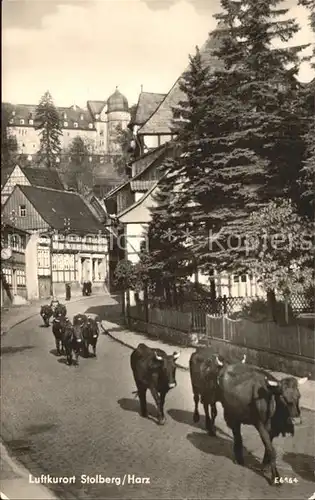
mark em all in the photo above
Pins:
pixel 47 121
pixel 307 103
pixel 253 146
pixel 123 156
pixel 9 146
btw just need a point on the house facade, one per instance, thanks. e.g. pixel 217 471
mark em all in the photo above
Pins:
pixel 67 236
pixel 96 124
pixel 17 262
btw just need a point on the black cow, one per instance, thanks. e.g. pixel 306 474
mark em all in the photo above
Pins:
pixel 58 329
pixel 60 310
pixel 155 370
pixel 90 334
pixel 252 396
pixel 73 342
pixel 46 313
pixel 205 366
pixel 80 319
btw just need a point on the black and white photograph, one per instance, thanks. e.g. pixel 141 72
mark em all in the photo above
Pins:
pixel 157 250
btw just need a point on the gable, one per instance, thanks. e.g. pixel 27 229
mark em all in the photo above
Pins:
pixel 33 220
pixel 140 212
pixel 17 177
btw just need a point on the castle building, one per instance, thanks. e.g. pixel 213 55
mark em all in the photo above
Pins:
pixel 96 125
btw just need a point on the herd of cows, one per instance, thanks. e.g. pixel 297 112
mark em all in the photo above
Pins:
pixel 72 339
pixel 248 394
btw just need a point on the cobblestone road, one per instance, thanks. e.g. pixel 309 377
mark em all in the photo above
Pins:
pixel 69 421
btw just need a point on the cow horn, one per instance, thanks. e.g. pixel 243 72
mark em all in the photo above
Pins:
pixel 244 359
pixel 159 358
pixel 302 380
pixel 220 363
pixel 272 383
pixel 176 355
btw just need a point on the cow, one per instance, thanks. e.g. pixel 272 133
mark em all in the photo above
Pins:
pixel 90 335
pixel 72 342
pixel 58 329
pixel 80 319
pixel 204 367
pixel 252 396
pixel 98 322
pixel 60 310
pixel 46 313
pixel 155 370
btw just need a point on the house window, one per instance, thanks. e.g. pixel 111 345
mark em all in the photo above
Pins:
pixel 90 125
pixel 75 125
pixel 65 124
pixel 97 117
pixel 13 113
pixel 22 122
pixel 90 159
pixel 243 278
pixel 8 275
pixel 31 122
pixel 236 279
pixel 81 117
pixel 65 116
pixel 22 210
pixel 15 242
pixel 20 278
pixel 11 121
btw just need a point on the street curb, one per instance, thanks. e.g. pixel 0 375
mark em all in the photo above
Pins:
pixel 19 469
pixel 182 367
pixel 5 332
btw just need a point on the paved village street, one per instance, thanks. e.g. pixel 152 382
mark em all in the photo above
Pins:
pixel 69 421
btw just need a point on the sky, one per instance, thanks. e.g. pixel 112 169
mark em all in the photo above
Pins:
pixel 81 50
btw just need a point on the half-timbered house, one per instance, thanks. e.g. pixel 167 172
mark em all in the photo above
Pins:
pixel 70 240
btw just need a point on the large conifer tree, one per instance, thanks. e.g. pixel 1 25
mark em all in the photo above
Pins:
pixel 47 121
pixel 253 147
pixel 9 146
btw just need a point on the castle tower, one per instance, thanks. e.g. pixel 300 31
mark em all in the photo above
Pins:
pixel 117 115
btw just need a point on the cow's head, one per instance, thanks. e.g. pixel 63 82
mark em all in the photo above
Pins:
pixel 167 368
pixel 77 330
pixel 288 396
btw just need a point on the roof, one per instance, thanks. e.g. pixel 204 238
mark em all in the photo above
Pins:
pixel 74 114
pixel 5 174
pixel 117 102
pixel 142 164
pixel 7 222
pixel 96 107
pixel 147 104
pixel 43 177
pixel 54 206
pixel 161 120
pixel 138 202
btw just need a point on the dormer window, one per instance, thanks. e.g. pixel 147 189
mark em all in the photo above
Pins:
pixel 97 116
pixel 90 125
pixel 21 122
pixel 31 122
pixel 75 125
pixel 65 124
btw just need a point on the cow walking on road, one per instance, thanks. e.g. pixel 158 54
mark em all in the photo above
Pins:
pixel 46 313
pixel 252 396
pixel 90 335
pixel 58 328
pixel 204 367
pixel 155 370
pixel 73 342
pixel 60 310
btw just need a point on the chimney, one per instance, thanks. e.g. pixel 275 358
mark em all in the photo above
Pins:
pixel 141 87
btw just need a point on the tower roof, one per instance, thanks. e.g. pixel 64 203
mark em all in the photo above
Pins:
pixel 117 102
